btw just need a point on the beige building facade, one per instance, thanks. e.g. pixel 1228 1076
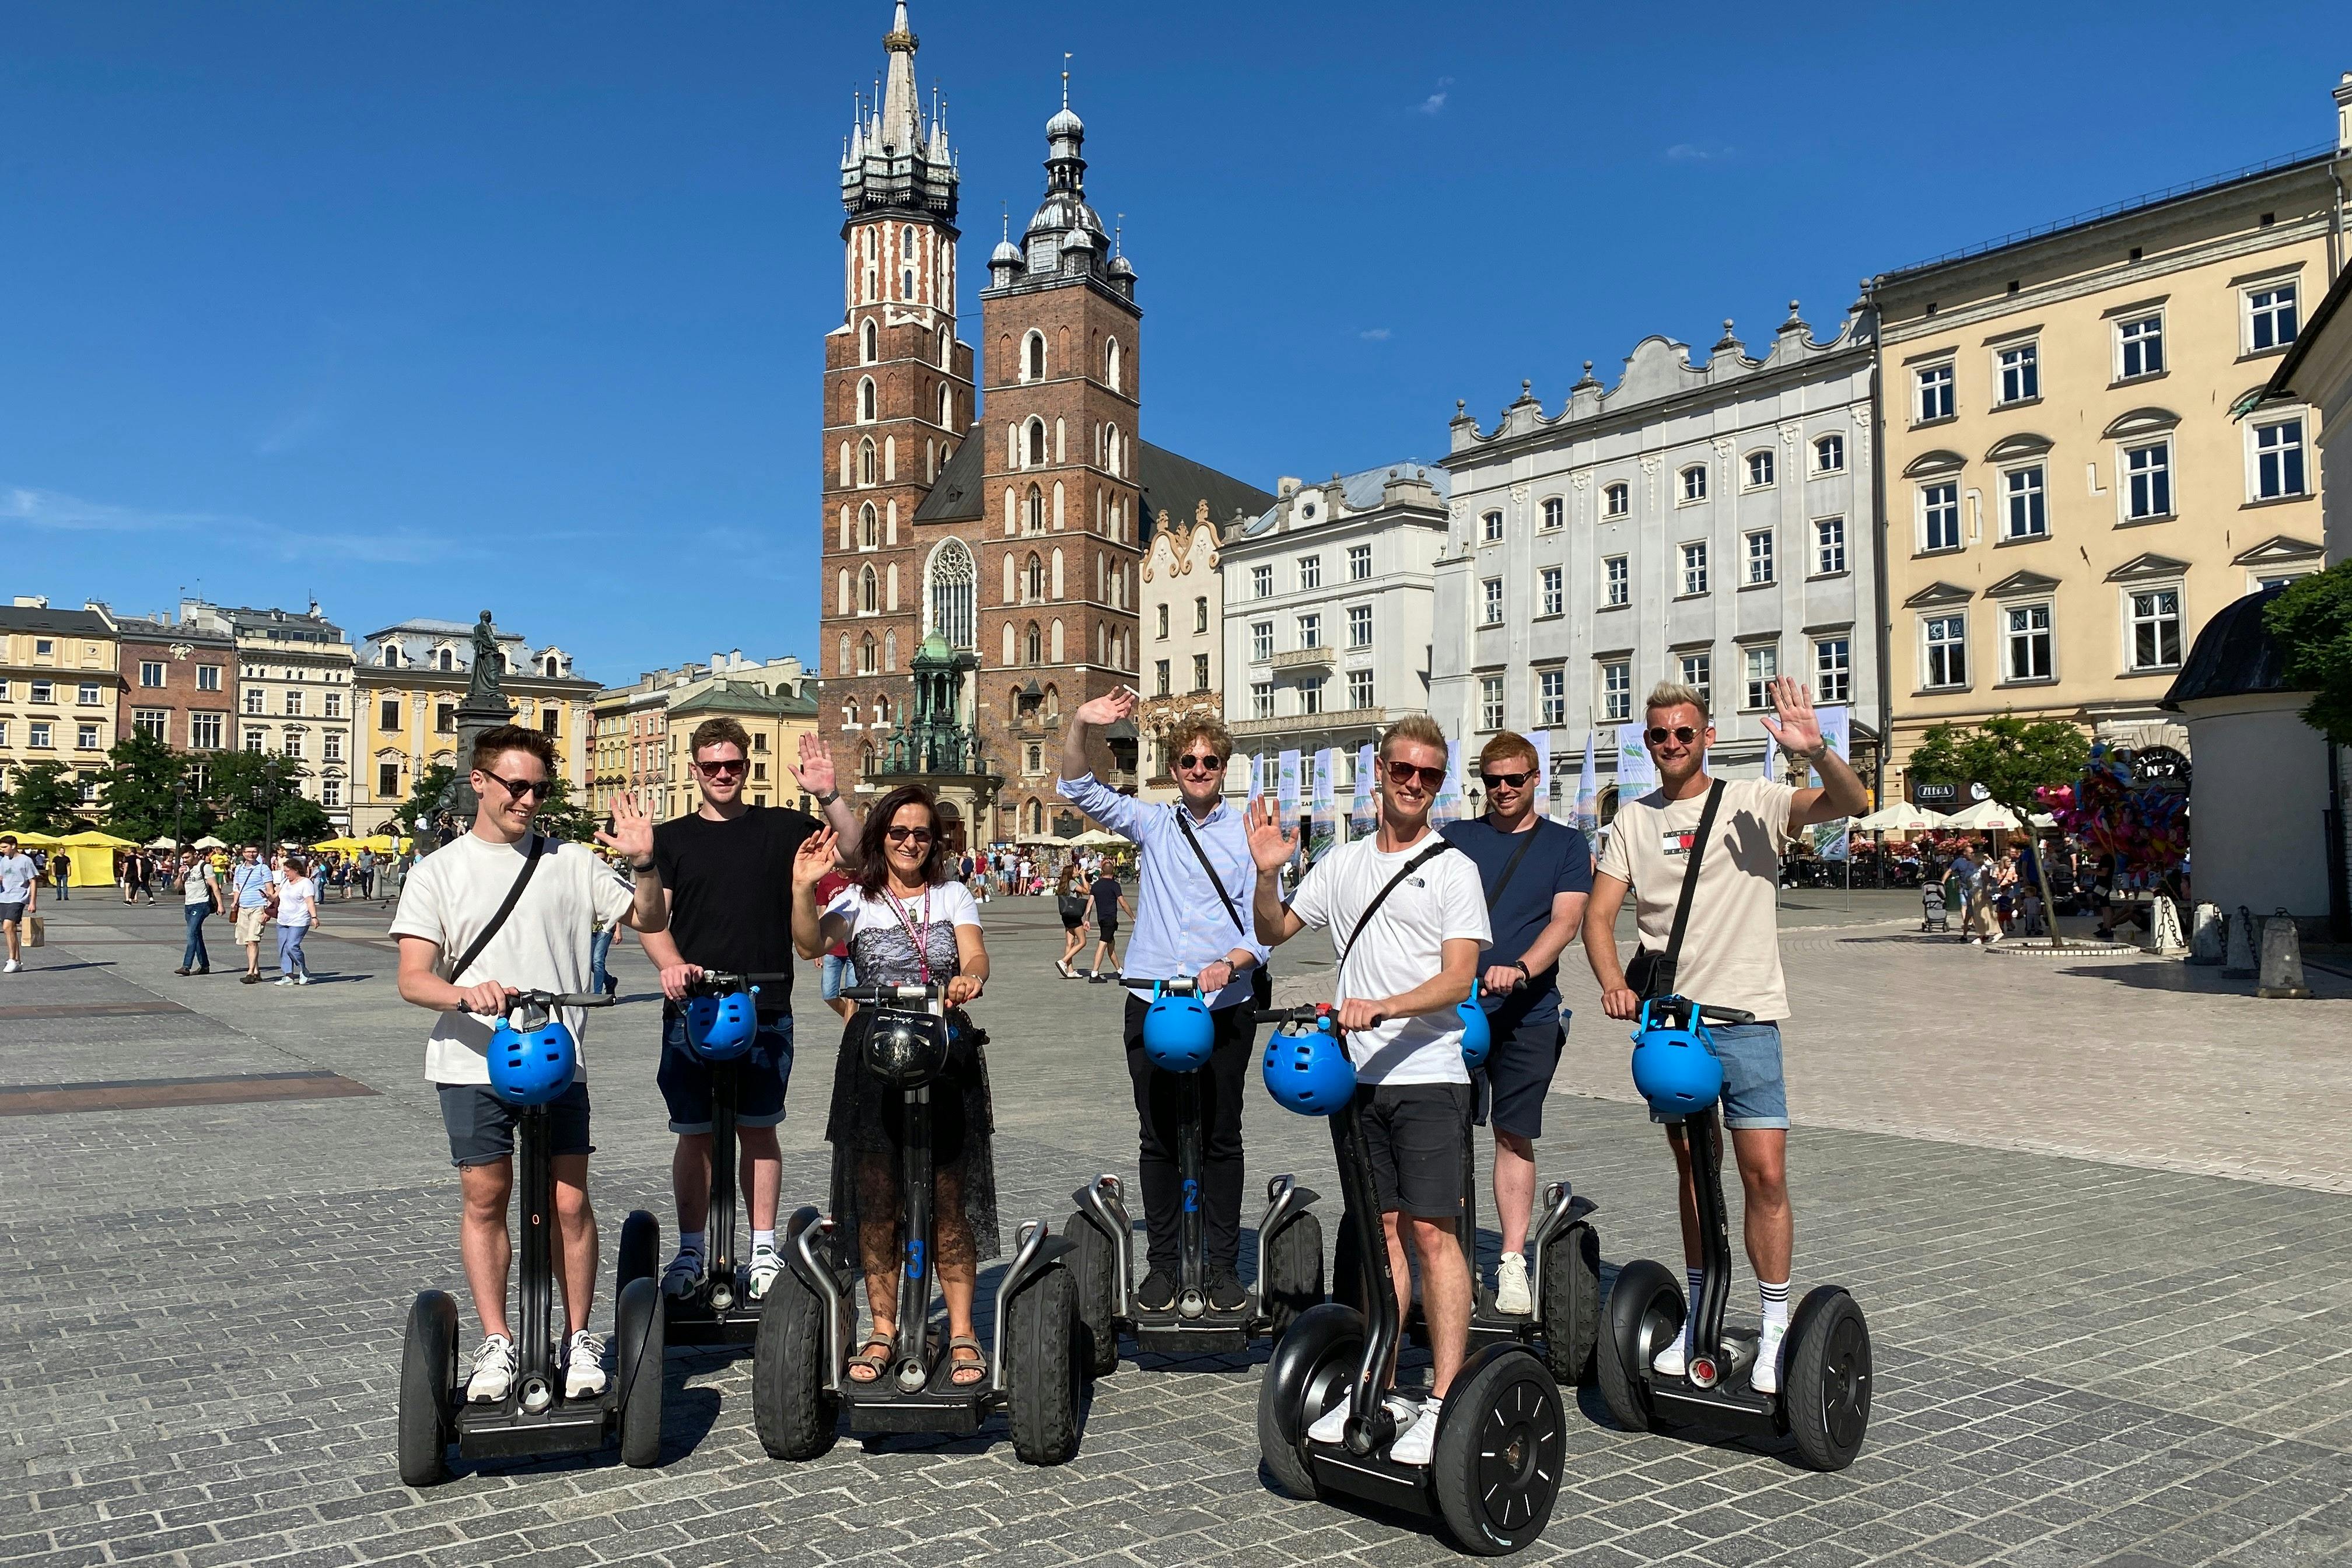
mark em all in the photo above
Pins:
pixel 294 694
pixel 60 690
pixel 633 752
pixel 1181 605
pixel 2066 496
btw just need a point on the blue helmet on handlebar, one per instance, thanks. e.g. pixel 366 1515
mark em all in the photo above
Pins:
pixel 1309 1073
pixel 533 1067
pixel 722 1028
pixel 1178 1032
pixel 1478 1033
pixel 1674 1064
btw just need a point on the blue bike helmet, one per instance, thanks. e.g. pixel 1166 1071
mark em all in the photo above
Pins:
pixel 1478 1033
pixel 533 1067
pixel 1309 1073
pixel 1178 1032
pixel 1675 1069
pixel 721 1028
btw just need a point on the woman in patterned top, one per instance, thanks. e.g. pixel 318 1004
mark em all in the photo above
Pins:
pixel 908 921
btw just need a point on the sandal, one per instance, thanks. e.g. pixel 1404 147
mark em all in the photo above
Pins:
pixel 977 1366
pixel 873 1361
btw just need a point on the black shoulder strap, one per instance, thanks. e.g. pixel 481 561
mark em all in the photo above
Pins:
pixel 1690 874
pixel 514 896
pixel 1215 881
pixel 1526 842
pixel 1441 845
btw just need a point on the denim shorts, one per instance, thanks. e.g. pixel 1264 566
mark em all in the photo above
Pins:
pixel 838 972
pixel 1753 1092
pixel 760 1074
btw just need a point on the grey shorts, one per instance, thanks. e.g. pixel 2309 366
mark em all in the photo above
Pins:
pixel 1754 1094
pixel 482 1126
pixel 13 914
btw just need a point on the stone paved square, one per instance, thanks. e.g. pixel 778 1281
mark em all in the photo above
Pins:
pixel 2105 1266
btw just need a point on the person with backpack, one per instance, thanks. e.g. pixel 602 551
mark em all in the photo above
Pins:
pixel 1192 880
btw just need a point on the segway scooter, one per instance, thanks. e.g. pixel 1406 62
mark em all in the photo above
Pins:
pixel 722 1023
pixel 1824 1398
pixel 801 1386
pixel 1563 1254
pixel 533 1059
pixel 1178 1036
pixel 1501 1433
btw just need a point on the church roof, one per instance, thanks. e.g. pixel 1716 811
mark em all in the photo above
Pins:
pixel 1173 484
pixel 955 494
pixel 2234 653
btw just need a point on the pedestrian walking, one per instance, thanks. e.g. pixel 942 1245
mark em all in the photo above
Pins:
pixel 200 896
pixel 1110 904
pixel 20 899
pixel 249 884
pixel 296 907
pixel 366 868
pixel 1070 900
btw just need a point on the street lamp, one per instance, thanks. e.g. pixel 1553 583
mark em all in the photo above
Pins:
pixel 179 799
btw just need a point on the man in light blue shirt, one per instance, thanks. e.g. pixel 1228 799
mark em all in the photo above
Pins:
pixel 1188 921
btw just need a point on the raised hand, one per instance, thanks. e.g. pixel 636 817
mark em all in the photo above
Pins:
pixel 633 831
pixel 1107 708
pixel 1799 728
pixel 815 771
pixel 813 858
pixel 1271 844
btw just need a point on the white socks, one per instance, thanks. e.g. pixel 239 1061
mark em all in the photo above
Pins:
pixel 1775 1308
pixel 765 1241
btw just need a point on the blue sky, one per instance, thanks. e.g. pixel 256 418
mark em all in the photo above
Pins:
pixel 424 308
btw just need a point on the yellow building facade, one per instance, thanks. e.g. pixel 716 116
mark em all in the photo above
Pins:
pixel 60 690
pixel 2066 496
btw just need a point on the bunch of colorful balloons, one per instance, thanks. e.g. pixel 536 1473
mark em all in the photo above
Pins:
pixel 2146 830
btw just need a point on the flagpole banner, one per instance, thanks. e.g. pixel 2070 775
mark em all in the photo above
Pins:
pixel 1257 778
pixel 1837 730
pixel 1636 774
pixel 1325 797
pixel 1285 787
pixel 1361 811
pixel 1587 815
pixel 1447 807
pixel 1543 739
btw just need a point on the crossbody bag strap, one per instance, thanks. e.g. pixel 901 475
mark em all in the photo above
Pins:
pixel 1407 869
pixel 1526 842
pixel 514 896
pixel 1215 881
pixel 1690 875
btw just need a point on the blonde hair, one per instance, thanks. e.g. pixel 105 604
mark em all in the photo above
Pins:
pixel 1675 694
pixel 1418 728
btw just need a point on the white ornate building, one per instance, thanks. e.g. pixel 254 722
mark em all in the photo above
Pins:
pixel 1712 524
pixel 1181 605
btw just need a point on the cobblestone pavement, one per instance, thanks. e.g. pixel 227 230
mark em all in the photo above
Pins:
pixel 2107 1280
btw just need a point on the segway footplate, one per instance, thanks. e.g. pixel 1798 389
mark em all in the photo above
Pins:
pixel 507 1431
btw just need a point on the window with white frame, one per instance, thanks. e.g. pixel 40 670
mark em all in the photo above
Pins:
pixel 2025 512
pixel 1310 630
pixel 1829 546
pixel 1163 621
pixel 1699 674
pixel 2017 369
pixel 1165 678
pixel 1201 614
pixel 1310 573
pixel 152 722
pixel 208 676
pixel 1939 516
pixel 1946 640
pixel 1261 582
pixel 1359 563
pixel 1759 666
pixel 1694 483
pixel 253 740
pixel 1759 556
pixel 86 694
pixel 85 737
pixel 1554 597
pixel 2154 627
pixel 334 704
pixel 1491 526
pixel 294 704
pixel 2272 316
pixel 253 699
pixel 1695 568
pixel 151 672
pixel 2278 465
pixel 1828 455
pixel 2148 480
pixel 1759 468
pixel 1359 625
pixel 1359 688
pixel 1616 690
pixel 1262 700
pixel 2025 647
pixel 205 732
pixel 1551 697
pixel 1490 596
pixel 1490 702
pixel 1554 513
pixel 1261 640
pixel 1199 672
pixel 331 743
pixel 1933 386
pixel 2139 347
pixel 37 736
pixel 1833 669
pixel 1618 579
pixel 1310 696
pixel 44 693
pixel 1616 500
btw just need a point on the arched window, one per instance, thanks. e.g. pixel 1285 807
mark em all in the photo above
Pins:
pixel 1035 813
pixel 865 759
pixel 1057 641
pixel 1036 356
pixel 552 666
pixel 866 462
pixel 953 577
pixel 866 655
pixel 869 592
pixel 1111 366
pixel 1053 701
pixel 843 667
pixel 947 407
pixel 1033 649
pixel 390 657
pixel 869 533
pixel 1036 442
pixel 947 349
pixel 1110 448
pixel 907 262
pixel 890 459
pixel 841 604
pixel 1034 515
pixel 1695 482
pixel 889 651
pixel 1033 579
pixel 866 400
pixel 867 344
pixel 1616 500
pixel 1058 573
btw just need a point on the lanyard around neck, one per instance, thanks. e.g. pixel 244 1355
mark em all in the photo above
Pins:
pixel 914 936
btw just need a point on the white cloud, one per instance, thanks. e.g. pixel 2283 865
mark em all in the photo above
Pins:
pixel 63 513
pixel 1698 151
pixel 1374 334
pixel 1435 102
pixel 56 509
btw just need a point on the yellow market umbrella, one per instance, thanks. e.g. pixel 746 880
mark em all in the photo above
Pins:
pixel 341 845
pixel 97 838
pixel 28 839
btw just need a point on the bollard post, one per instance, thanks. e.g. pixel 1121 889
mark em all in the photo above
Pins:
pixel 2164 938
pixel 2239 964
pixel 2207 935
pixel 2282 973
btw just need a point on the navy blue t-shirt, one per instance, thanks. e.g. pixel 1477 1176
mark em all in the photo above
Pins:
pixel 1558 862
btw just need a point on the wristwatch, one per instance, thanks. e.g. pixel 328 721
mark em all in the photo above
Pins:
pixel 641 870
pixel 1525 972
pixel 828 797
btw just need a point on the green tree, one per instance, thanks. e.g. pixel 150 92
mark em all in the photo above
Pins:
pixel 425 797
pixel 46 800
pixel 257 795
pixel 563 817
pixel 140 775
pixel 2311 624
pixel 2010 757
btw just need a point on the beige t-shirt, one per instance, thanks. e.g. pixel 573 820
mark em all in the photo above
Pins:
pixel 1731 949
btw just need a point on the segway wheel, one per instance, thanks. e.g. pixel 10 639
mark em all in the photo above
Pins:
pixel 1644 1311
pixel 642 1321
pixel 1093 1263
pixel 1571 1303
pixel 796 1417
pixel 1502 1445
pixel 640 1251
pixel 1043 1368
pixel 1826 1377
pixel 1312 1369
pixel 428 1387
pixel 1294 1269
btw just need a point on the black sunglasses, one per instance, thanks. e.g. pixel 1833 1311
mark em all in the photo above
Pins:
pixel 1431 778
pixel 722 769
pixel 904 834
pixel 1681 732
pixel 539 790
pixel 1508 781
pixel 1208 760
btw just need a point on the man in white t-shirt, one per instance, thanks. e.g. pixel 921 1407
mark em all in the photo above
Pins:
pixel 20 898
pixel 1402 972
pixel 447 902
pixel 1730 955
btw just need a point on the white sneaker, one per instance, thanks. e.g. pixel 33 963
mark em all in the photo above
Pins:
pixel 684 1273
pixel 1511 1293
pixel 1331 1426
pixel 283 980
pixel 494 1370
pixel 301 980
pixel 1764 1377
pixel 11 967
pixel 1418 1443
pixel 766 1264
pixel 583 1366
pixel 1672 1361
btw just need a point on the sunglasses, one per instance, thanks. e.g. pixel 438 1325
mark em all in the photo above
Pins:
pixel 1402 773
pixel 1207 760
pixel 1682 733
pixel 1508 781
pixel 905 834
pixel 539 790
pixel 722 770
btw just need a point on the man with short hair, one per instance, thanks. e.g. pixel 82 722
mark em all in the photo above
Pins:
pixel 727 880
pixel 20 899
pixel 1404 966
pixel 1537 876
pixel 449 901
pixel 249 883
pixel 1195 921
pixel 1731 956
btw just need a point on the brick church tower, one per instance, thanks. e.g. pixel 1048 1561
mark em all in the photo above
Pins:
pixel 897 403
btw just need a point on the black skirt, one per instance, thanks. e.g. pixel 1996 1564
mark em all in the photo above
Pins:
pixel 866 1127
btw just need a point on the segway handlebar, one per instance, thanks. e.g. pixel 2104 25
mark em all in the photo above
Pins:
pixel 1725 1015
pixel 931 991
pixel 1673 1006
pixel 1180 985
pixel 1312 1013
pixel 722 983
pixel 515 999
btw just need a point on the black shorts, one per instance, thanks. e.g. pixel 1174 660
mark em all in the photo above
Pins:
pixel 761 1075
pixel 1109 930
pixel 1518 1071
pixel 481 1126
pixel 1415 1132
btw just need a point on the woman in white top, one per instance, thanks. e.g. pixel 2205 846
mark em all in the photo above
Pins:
pixel 198 899
pixel 297 916
pixel 908 921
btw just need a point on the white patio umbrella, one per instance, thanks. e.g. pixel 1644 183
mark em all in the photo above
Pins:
pixel 208 842
pixel 1901 816
pixel 164 844
pixel 1985 816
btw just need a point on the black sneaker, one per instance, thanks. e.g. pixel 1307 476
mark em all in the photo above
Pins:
pixel 1225 1291
pixel 1157 1293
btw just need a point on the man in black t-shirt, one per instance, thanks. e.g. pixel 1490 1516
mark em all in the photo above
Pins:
pixel 726 869
pixel 1108 904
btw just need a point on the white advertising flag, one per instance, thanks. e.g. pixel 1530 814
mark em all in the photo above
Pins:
pixel 1636 774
